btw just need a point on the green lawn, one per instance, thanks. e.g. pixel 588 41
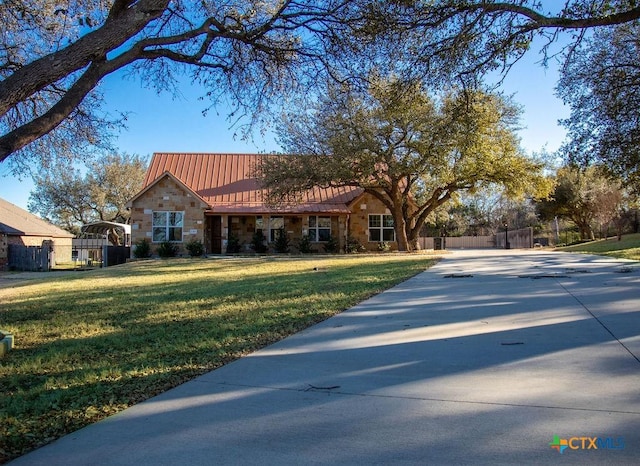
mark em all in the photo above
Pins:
pixel 627 248
pixel 92 343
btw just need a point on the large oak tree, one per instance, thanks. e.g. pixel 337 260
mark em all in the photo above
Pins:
pixel 602 87
pixel 410 150
pixel 53 56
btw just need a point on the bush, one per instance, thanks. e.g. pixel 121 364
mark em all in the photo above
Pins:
pixel 167 249
pixel 332 245
pixel 353 246
pixel 195 248
pixel 234 246
pixel 281 244
pixel 304 245
pixel 257 242
pixel 142 249
pixel 383 246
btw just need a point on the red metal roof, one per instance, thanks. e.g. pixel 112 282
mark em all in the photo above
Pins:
pixel 225 182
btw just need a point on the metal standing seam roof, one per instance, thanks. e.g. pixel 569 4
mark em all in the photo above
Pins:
pixel 225 182
pixel 15 221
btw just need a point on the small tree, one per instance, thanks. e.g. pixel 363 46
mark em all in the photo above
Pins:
pixel 167 249
pixel 258 242
pixel 234 246
pixel 195 248
pixel 282 241
pixel 332 245
pixel 142 249
pixel 304 245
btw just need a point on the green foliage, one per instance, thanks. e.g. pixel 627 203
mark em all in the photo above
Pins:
pixel 304 245
pixel 167 249
pixel 70 198
pixel 586 197
pixel 601 85
pixel 628 247
pixel 281 244
pixel 142 249
pixel 332 246
pixel 195 248
pixel 384 246
pixel 234 246
pixel 409 149
pixel 353 246
pixel 162 324
pixel 258 242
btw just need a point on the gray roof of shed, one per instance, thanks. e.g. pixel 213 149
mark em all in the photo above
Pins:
pixel 15 221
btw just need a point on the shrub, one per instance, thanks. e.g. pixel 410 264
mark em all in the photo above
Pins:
pixel 332 245
pixel 195 248
pixel 142 249
pixel 234 246
pixel 353 246
pixel 383 246
pixel 304 245
pixel 257 242
pixel 281 244
pixel 167 249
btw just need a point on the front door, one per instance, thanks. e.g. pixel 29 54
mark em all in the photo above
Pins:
pixel 215 231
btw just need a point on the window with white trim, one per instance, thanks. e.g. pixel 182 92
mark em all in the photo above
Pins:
pixel 381 228
pixel 319 228
pixel 167 226
pixel 276 224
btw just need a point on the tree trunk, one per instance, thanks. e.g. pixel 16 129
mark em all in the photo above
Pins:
pixel 400 227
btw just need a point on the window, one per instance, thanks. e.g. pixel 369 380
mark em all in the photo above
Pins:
pixel 167 226
pixel 259 224
pixel 381 228
pixel 275 225
pixel 319 228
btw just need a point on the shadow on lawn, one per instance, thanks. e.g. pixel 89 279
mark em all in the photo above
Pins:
pixel 157 336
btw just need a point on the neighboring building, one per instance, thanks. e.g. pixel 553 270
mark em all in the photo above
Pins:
pixel 21 228
pixel 209 197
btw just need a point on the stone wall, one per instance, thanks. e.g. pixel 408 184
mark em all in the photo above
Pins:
pixel 359 221
pixel 168 196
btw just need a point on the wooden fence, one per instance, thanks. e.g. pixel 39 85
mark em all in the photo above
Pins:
pixel 31 258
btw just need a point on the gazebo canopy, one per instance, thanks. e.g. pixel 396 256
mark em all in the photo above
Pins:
pixel 103 228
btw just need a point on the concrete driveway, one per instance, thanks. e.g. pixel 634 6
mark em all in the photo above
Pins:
pixel 490 357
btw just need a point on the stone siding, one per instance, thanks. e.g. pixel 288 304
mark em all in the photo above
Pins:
pixel 167 196
pixel 359 221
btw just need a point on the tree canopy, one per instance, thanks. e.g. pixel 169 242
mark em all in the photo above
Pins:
pixel 53 57
pixel 588 197
pixel 602 87
pixel 410 150
pixel 468 38
pixel 253 53
pixel 69 198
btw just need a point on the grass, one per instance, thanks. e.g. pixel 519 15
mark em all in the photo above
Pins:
pixel 93 343
pixel 627 248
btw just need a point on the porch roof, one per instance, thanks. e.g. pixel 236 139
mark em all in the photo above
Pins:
pixel 226 182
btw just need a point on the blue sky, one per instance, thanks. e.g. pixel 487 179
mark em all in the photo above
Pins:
pixel 162 123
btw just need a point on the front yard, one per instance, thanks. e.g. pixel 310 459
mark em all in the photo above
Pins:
pixel 90 344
